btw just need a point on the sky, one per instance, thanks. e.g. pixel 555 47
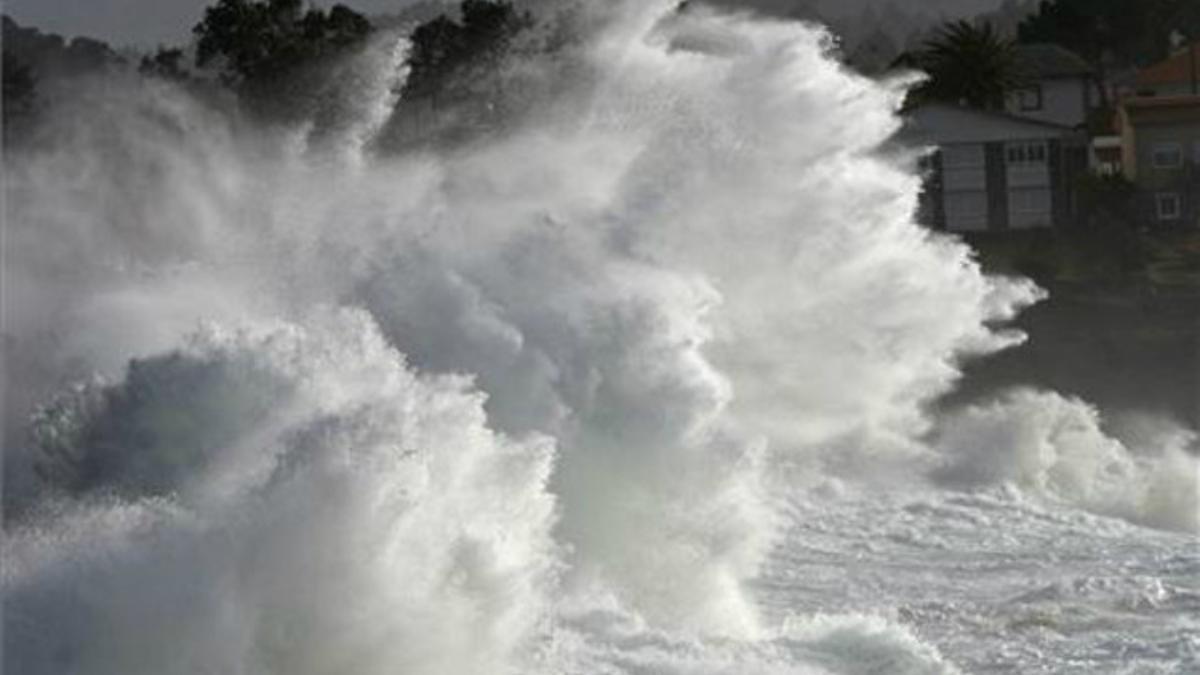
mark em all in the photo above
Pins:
pixel 150 22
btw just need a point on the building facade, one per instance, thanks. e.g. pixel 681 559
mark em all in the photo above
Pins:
pixel 993 171
pixel 1160 154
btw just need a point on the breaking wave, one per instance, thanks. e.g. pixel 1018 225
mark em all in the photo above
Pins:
pixel 302 406
pixel 1056 448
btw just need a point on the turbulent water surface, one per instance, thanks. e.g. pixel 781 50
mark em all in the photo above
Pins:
pixel 637 380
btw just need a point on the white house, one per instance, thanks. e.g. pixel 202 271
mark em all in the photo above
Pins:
pixel 994 170
pixel 1061 90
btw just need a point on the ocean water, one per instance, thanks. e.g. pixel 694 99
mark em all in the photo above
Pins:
pixel 638 379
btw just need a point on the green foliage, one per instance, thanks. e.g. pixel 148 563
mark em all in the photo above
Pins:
pixel 444 51
pixel 1174 255
pixel 20 96
pixel 1106 198
pixel 437 48
pixel 967 64
pixel 166 63
pixel 19 86
pixel 257 41
pixel 50 56
pixel 1125 32
pixel 1104 252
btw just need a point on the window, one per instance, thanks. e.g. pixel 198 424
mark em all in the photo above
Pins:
pixel 1168 155
pixel 1167 206
pixel 1030 99
pixel 1026 153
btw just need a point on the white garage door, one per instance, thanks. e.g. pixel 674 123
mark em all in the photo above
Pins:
pixel 1028 169
pixel 1029 207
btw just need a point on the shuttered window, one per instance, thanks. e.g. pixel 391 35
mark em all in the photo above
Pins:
pixel 964 183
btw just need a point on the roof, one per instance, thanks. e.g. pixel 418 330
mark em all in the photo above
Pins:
pixel 1045 61
pixel 1176 69
pixel 944 123
pixel 1161 110
pixel 1160 102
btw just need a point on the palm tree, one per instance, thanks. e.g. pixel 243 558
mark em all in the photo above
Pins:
pixel 967 64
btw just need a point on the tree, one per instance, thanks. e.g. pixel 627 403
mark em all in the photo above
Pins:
pixel 444 51
pixel 1124 32
pixel 50 56
pixel 967 64
pixel 20 91
pixel 255 42
pixel 464 75
pixel 166 63
pixel 437 48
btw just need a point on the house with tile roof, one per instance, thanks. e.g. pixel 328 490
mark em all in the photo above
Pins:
pixel 1160 154
pixel 1159 131
pixel 1178 75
